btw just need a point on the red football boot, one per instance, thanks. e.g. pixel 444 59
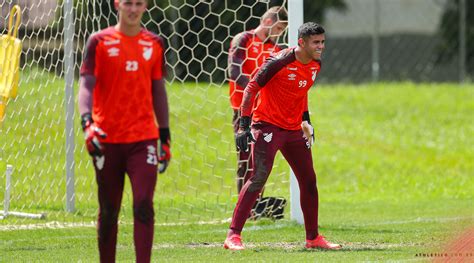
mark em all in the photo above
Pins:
pixel 321 242
pixel 233 242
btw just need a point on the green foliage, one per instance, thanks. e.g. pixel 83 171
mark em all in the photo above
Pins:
pixel 448 49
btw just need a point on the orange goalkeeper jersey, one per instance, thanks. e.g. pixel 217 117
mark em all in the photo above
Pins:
pixel 124 68
pixel 282 83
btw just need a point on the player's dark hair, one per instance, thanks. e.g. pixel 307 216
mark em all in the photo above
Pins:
pixel 276 13
pixel 309 29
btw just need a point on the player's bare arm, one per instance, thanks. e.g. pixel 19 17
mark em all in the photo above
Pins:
pixel 160 106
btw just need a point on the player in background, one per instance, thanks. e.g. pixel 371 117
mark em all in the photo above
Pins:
pixel 280 121
pixel 248 51
pixel 122 98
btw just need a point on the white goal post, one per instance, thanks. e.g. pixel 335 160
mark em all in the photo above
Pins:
pixel 295 19
pixel 6 200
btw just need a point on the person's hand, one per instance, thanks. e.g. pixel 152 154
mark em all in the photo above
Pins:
pixel 244 135
pixel 92 136
pixel 165 157
pixel 308 133
pixel 165 151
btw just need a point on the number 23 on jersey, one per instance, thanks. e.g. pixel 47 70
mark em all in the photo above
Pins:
pixel 131 65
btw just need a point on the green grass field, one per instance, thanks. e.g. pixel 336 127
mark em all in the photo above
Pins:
pixel 395 165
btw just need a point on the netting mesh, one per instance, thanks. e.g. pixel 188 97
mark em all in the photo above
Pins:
pixel 200 183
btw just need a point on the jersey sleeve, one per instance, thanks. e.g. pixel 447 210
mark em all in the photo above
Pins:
pixel 249 96
pixel 159 68
pixel 272 65
pixel 89 63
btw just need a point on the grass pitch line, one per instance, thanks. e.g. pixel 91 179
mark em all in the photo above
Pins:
pixel 48 225
pixel 417 220
pixel 356 246
pixel 62 225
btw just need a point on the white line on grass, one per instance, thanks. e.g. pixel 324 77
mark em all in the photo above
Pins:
pixel 416 220
pixel 62 225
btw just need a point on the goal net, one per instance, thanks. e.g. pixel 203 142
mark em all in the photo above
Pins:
pixel 200 182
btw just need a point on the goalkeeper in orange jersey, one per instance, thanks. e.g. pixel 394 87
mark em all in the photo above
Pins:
pixel 248 51
pixel 280 122
pixel 122 98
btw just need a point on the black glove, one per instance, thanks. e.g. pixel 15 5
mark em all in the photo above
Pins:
pixel 165 152
pixel 244 135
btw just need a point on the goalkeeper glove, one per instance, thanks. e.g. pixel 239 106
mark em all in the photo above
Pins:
pixel 165 152
pixel 244 135
pixel 308 133
pixel 92 133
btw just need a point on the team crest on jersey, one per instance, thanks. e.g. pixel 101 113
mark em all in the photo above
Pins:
pixel 268 137
pixel 147 51
pixel 313 75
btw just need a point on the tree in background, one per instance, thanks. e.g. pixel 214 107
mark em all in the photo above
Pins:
pixel 448 48
pixel 197 30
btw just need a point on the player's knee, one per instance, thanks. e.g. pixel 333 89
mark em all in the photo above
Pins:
pixel 258 181
pixel 144 212
pixel 108 215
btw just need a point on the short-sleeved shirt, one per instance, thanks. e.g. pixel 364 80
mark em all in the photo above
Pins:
pixel 250 52
pixel 124 68
pixel 283 83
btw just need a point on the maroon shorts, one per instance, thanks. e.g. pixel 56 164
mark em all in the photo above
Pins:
pixel 138 160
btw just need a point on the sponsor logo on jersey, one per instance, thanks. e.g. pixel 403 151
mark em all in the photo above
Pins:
pixel 113 52
pixel 289 68
pixel 292 76
pixel 255 50
pixel 313 75
pixel 145 43
pixel 99 162
pixel 112 42
pixel 268 137
pixel 147 51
